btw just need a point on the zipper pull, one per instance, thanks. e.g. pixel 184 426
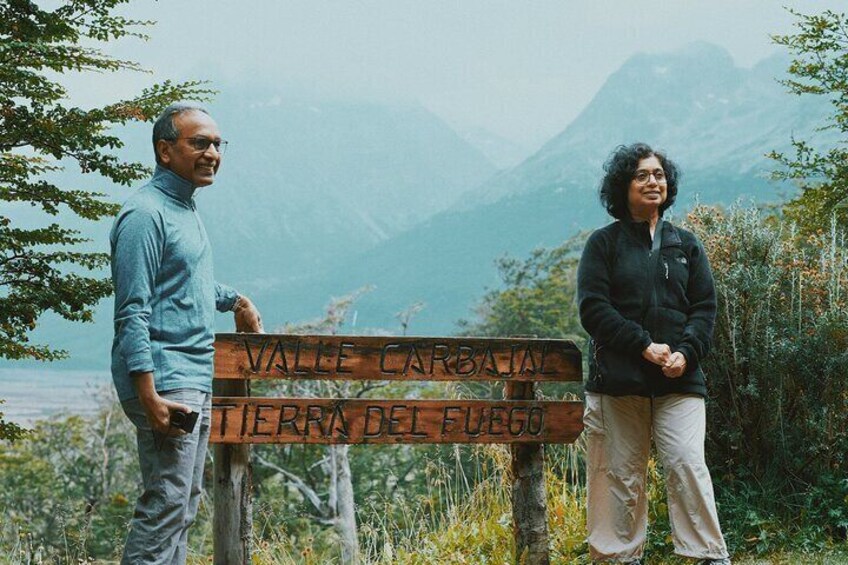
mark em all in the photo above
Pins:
pixel 665 264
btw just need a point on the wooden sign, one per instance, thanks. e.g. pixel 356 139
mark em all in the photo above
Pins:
pixel 243 356
pixel 357 421
pixel 239 420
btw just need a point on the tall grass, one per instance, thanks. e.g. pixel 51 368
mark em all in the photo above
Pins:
pixel 474 525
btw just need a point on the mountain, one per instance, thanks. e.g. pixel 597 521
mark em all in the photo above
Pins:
pixel 502 152
pixel 304 185
pixel 308 183
pixel 693 103
pixel 333 196
pixel 717 121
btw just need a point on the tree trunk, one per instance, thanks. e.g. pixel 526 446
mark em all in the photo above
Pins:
pixel 529 506
pixel 345 522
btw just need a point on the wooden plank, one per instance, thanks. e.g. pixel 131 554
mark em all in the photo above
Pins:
pixel 242 356
pixel 328 421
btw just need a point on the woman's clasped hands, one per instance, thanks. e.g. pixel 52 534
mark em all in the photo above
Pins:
pixel 673 363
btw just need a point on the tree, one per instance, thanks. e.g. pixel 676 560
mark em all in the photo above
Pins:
pixel 405 316
pixel 42 268
pixel 539 297
pixel 820 68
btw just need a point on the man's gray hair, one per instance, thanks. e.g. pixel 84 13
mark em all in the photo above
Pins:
pixel 164 127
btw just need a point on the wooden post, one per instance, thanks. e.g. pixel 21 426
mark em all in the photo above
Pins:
pixel 529 505
pixel 233 517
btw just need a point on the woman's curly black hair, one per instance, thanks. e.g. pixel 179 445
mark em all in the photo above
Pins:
pixel 620 168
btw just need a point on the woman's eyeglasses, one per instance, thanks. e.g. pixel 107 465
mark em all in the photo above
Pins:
pixel 642 177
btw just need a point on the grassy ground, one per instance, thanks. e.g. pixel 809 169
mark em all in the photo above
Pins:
pixel 474 528
pixel 836 556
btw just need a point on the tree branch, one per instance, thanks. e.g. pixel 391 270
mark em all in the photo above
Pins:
pixel 368 388
pixel 296 482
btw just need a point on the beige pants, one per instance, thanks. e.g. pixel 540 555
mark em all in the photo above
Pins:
pixel 618 437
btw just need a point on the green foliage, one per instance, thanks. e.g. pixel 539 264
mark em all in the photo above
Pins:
pixel 39 133
pixel 538 297
pixel 820 68
pixel 10 430
pixel 778 427
pixel 473 521
pixel 67 488
pixel 777 420
pixel 61 509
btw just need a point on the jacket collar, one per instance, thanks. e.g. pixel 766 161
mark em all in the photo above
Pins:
pixel 173 185
pixel 670 235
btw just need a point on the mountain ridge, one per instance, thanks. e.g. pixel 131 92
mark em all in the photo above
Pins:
pixel 716 120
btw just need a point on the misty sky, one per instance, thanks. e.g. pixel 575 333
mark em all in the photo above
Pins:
pixel 520 69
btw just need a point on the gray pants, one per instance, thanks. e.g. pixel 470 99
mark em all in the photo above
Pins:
pixel 172 477
pixel 618 443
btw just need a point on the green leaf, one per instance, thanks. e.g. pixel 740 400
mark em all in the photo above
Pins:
pixel 42 268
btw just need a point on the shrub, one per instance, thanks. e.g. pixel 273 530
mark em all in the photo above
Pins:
pixel 777 375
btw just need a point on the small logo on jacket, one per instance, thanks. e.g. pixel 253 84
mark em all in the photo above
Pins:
pixel 681 260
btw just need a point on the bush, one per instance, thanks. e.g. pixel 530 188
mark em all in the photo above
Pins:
pixel 777 431
pixel 68 488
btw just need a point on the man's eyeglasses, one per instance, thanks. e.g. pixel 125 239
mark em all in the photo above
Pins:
pixel 642 177
pixel 201 144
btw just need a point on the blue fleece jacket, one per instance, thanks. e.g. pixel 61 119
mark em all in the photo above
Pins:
pixel 165 293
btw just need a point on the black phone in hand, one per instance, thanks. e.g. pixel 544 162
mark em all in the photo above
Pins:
pixel 184 420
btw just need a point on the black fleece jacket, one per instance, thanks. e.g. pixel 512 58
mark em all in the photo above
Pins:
pixel 617 311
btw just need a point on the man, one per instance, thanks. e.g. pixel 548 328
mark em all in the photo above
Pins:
pixel 165 301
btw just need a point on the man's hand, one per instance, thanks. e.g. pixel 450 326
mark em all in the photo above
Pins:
pixel 247 317
pixel 157 409
pixel 675 366
pixel 657 353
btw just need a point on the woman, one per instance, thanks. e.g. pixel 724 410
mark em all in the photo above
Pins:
pixel 647 299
